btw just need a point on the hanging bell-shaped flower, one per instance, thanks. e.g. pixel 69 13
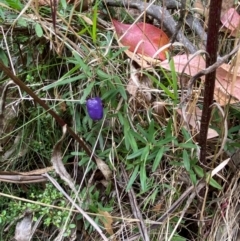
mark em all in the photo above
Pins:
pixel 95 108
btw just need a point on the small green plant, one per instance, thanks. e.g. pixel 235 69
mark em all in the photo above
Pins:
pixel 50 216
pixel 149 149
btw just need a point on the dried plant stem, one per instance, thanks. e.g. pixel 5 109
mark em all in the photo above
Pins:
pixel 212 47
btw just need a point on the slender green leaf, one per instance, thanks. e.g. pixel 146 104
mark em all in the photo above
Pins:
pixel 122 92
pixel 109 94
pixel 121 118
pixel 151 132
pixel 135 154
pixel 102 75
pixel 15 4
pixel 86 92
pixel 115 54
pixel 64 4
pixel 158 158
pixel 165 141
pixel 38 30
pixel 132 141
pixel 141 130
pixel 3 57
pixel 120 87
pixel 64 81
pixel 143 177
pixel 145 153
pixel 139 137
pixel 167 91
pixel 168 132
pixel 198 170
pixel 186 160
pixel 186 134
pixel 193 177
pixel 212 182
pixel 187 145
pixel 126 131
pixel 84 66
pixel 151 198
pixel 94 27
pixel 178 238
pixel 22 22
pixel 174 79
pixel 162 86
pixel 133 178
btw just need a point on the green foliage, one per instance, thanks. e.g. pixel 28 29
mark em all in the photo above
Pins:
pixel 190 161
pixel 14 4
pixel 148 151
pixel 3 57
pixel 38 30
pixel 50 216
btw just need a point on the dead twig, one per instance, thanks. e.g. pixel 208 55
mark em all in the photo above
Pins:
pixel 136 212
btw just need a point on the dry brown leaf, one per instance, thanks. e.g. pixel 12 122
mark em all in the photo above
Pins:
pixel 44 2
pixel 225 84
pixel 133 83
pixel 194 119
pixel 86 19
pixel 107 221
pixel 200 8
pixel 57 159
pixel 157 208
pixel 195 65
pixel 103 167
pixel 231 20
pixel 160 108
pixel 227 4
pixel 24 228
pixel 222 97
pixel 136 85
pixel 198 4
pixel 230 69
pixel 132 87
pixel 146 87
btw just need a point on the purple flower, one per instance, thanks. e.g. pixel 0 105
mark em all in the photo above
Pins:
pixel 95 108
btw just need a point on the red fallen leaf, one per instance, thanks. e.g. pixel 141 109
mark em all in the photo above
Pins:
pixel 153 38
pixel 231 20
pixel 224 86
